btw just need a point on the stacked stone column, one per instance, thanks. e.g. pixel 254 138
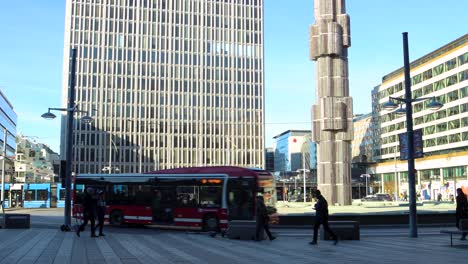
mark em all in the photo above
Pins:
pixel 332 114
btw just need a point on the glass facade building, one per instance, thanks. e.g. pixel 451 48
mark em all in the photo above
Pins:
pixel 442 74
pixel 294 150
pixel 8 121
pixel 169 83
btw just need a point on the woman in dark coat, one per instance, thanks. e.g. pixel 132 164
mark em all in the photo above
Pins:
pixel 462 209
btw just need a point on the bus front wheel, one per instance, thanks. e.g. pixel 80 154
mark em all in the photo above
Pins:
pixel 210 223
pixel 116 218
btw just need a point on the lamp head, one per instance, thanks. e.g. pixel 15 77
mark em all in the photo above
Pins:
pixel 389 106
pixel 86 119
pixel 434 105
pixel 48 116
pixel 400 111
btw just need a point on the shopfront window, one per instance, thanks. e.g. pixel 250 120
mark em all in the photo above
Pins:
pixel 430 175
pixel 454 173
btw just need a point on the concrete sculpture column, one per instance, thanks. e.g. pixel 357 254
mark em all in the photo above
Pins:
pixel 332 115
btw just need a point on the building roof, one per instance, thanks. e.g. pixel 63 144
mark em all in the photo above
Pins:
pixel 360 117
pixel 292 131
pixel 426 58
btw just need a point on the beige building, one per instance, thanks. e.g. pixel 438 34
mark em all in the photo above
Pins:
pixel 442 74
pixel 169 83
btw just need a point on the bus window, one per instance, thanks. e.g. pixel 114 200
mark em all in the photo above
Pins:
pixel 42 195
pixel 210 196
pixel 62 194
pixel 240 198
pixel 187 196
pixel 119 194
pixel 79 193
pixel 143 194
pixel 30 195
pixel 268 189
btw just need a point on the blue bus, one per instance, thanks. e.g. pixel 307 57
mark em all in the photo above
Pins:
pixel 36 195
pixel 7 195
pixel 61 195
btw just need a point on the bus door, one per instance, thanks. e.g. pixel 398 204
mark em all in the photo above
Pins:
pixel 241 198
pixel 53 196
pixel 16 198
pixel 163 204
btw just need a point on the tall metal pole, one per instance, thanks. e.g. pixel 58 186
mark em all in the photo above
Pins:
pixel 304 175
pixel 367 188
pixel 395 176
pixel 110 153
pixel 69 139
pixel 409 133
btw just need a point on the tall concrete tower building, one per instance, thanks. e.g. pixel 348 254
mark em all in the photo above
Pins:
pixel 332 115
pixel 170 83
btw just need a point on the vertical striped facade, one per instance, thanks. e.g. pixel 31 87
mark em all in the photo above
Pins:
pixel 169 83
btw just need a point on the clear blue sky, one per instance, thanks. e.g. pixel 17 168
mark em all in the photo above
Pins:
pixel 31 55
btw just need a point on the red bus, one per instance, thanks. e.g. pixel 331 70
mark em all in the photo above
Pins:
pixel 190 198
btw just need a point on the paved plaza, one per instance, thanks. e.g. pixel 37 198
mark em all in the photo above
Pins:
pixel 148 245
pixel 359 207
pixel 45 243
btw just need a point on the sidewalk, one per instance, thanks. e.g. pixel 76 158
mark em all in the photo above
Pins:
pixel 145 245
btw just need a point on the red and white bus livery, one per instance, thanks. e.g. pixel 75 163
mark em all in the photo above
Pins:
pixel 192 198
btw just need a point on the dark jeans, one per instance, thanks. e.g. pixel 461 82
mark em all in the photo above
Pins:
pixel 325 226
pixel 100 215
pixel 262 225
pixel 89 217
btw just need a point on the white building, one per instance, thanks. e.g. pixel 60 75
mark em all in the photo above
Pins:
pixel 442 74
pixel 174 83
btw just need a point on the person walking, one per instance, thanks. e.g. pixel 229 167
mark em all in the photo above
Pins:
pixel 262 219
pixel 101 211
pixel 462 210
pixel 321 218
pixel 89 211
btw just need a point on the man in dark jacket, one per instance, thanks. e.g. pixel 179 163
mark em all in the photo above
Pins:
pixel 101 211
pixel 262 219
pixel 321 217
pixel 462 210
pixel 89 211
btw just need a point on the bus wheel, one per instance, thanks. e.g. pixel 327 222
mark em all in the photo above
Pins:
pixel 210 223
pixel 116 218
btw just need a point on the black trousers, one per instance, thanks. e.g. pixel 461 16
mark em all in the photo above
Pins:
pixel 100 215
pixel 89 217
pixel 325 226
pixel 262 224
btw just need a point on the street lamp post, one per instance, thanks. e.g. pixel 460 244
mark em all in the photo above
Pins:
pixel 110 169
pixel 366 176
pixel 71 109
pixel 390 105
pixel 304 180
